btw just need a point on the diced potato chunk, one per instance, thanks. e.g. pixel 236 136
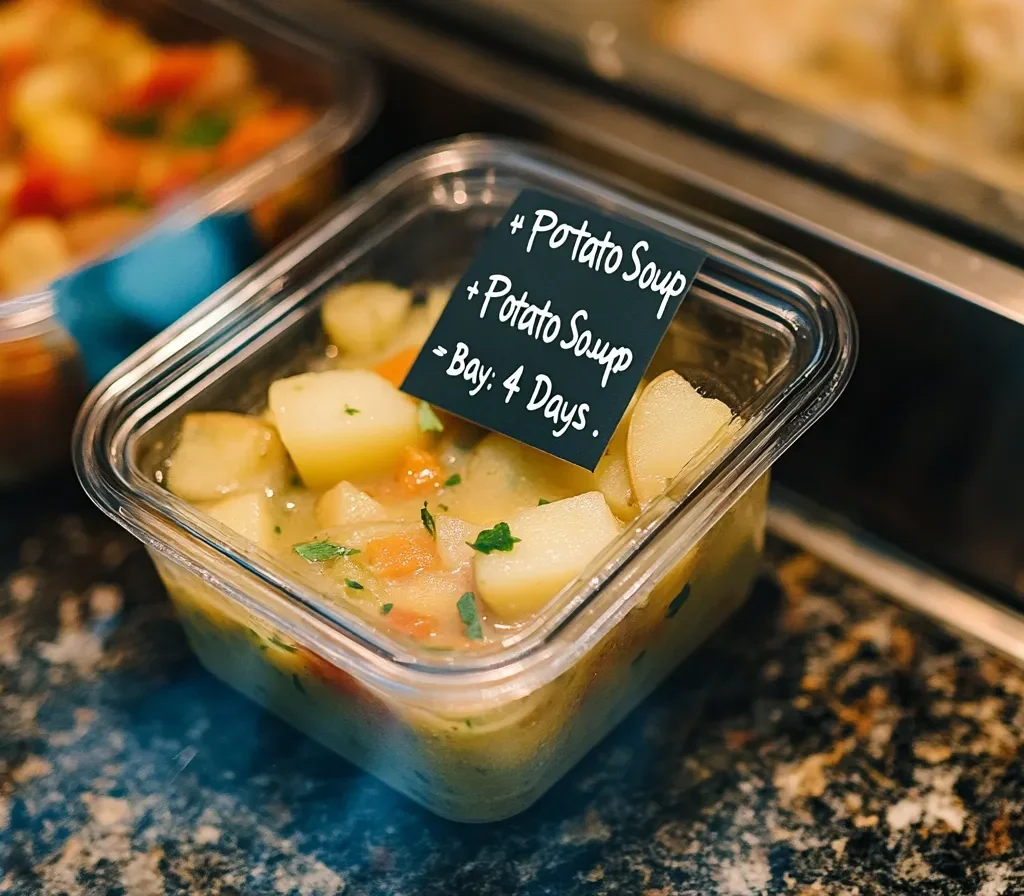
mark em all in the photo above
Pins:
pixel 231 75
pixel 362 318
pixel 62 84
pixel 345 504
pixel 250 514
pixel 432 595
pixel 557 541
pixel 503 476
pixel 612 471
pixel 219 453
pixel 613 478
pixel 452 537
pixel 410 336
pixel 671 423
pixel 343 424
pixel 68 137
pixel 437 298
pixel 32 252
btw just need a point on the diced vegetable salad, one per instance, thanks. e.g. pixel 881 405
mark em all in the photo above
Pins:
pixel 433 528
pixel 99 123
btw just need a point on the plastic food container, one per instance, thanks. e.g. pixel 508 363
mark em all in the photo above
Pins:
pixel 121 295
pixel 480 735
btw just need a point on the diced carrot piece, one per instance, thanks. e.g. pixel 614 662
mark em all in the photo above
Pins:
pixel 164 173
pixel 48 187
pixel 415 625
pixel 396 368
pixel 260 133
pixel 14 62
pixel 36 192
pixel 400 555
pixel 117 165
pixel 175 72
pixel 46 190
pixel 419 472
pixel 345 685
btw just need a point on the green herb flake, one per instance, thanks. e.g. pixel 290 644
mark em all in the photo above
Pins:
pixel 500 538
pixel 298 684
pixel 469 616
pixel 351 411
pixel 542 502
pixel 678 601
pixel 428 420
pixel 205 130
pixel 132 200
pixel 296 481
pixel 638 657
pixel 277 530
pixel 353 584
pixel 277 642
pixel 386 608
pixel 428 520
pixel 454 479
pixel 469 723
pixel 443 507
pixel 135 125
pixel 319 551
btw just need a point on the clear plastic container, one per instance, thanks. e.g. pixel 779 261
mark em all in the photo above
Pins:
pixel 121 294
pixel 480 735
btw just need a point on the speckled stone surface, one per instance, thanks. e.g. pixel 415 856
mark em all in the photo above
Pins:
pixel 824 742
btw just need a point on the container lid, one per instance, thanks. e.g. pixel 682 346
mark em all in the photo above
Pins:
pixel 755 293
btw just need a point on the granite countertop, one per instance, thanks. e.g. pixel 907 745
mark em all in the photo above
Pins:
pixel 824 742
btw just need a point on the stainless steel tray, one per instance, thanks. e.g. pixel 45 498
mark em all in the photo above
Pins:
pixel 608 40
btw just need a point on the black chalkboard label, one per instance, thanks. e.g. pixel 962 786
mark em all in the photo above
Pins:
pixel 551 328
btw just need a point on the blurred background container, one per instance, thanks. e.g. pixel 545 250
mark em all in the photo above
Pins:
pixel 222 137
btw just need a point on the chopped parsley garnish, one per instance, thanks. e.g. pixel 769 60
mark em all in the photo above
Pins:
pixel 443 507
pixel 469 616
pixel 136 125
pixel 277 530
pixel 639 657
pixel 352 583
pixel 454 479
pixel 469 723
pixel 500 538
pixel 319 551
pixel 677 602
pixel 542 502
pixel 428 520
pixel 277 642
pixel 385 609
pixel 351 411
pixel 298 684
pixel 296 481
pixel 428 420
pixel 205 130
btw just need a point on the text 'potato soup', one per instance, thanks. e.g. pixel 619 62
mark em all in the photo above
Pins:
pixel 434 528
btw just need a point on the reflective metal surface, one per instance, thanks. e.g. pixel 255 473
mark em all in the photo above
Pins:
pixel 612 41
pixel 898 576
